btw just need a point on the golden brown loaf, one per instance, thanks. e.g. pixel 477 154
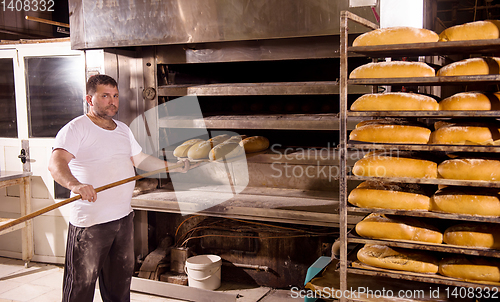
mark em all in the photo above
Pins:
pixel 383 165
pixel 473 100
pixel 398 259
pixel 396 134
pixel 470 169
pixel 255 144
pixel 478 30
pixel 465 134
pixel 397 196
pixel 470 268
pixel 472 66
pixel 182 150
pixel 393 69
pixel 380 226
pixel 482 235
pixel 467 200
pixel 395 35
pixel 394 101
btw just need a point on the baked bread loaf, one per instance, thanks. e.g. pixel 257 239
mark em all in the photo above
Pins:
pixel 202 149
pixel 471 101
pixel 396 134
pixel 255 144
pixel 394 101
pixel 385 165
pixel 470 169
pixel 226 150
pixel 235 139
pixel 473 235
pixel 182 150
pixel 472 66
pixel 398 259
pixel 464 122
pixel 470 268
pixel 393 69
pixel 467 200
pixel 395 35
pixel 465 134
pixel 379 226
pixel 478 30
pixel 397 196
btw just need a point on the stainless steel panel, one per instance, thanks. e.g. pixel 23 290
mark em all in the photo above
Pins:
pixel 261 50
pixel 126 68
pixel 111 23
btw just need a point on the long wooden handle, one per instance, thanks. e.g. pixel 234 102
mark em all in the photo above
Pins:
pixel 69 200
pixel 50 22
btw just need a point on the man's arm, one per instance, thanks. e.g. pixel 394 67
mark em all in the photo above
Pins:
pixel 150 163
pixel 59 169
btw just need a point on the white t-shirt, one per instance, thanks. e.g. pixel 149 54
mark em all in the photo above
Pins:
pixel 101 157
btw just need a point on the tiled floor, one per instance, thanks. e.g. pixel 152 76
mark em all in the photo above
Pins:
pixel 42 283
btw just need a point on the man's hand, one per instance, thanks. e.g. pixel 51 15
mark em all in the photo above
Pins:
pixel 187 166
pixel 86 191
pixel 59 169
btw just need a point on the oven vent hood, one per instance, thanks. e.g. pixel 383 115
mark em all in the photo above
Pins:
pixel 121 23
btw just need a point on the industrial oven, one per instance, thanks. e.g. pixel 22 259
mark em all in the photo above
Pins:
pixel 263 67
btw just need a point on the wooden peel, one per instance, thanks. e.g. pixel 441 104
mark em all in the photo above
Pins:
pixel 32 215
pixel 50 22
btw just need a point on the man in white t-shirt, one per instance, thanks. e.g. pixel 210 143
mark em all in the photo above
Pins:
pixel 91 151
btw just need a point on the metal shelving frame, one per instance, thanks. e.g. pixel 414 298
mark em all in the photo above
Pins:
pixel 419 49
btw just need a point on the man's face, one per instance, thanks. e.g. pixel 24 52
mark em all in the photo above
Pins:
pixel 104 102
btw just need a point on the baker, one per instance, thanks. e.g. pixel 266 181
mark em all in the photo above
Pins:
pixel 91 151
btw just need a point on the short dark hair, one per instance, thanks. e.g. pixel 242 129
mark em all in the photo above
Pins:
pixel 99 79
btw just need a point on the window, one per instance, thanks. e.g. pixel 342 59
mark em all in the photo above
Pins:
pixel 55 92
pixel 8 120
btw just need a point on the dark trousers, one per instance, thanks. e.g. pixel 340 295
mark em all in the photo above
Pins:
pixel 105 251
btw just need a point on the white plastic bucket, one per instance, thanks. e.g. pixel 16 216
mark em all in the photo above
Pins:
pixel 204 271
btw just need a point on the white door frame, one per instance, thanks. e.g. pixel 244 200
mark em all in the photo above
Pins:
pixel 51 228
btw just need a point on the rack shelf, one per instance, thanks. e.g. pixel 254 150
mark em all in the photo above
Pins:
pixel 444 248
pixel 427 214
pixel 424 114
pixel 274 122
pixel 424 147
pixel 419 49
pixel 361 269
pixel 428 81
pixel 233 89
pixel 431 181
pixel 428 49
